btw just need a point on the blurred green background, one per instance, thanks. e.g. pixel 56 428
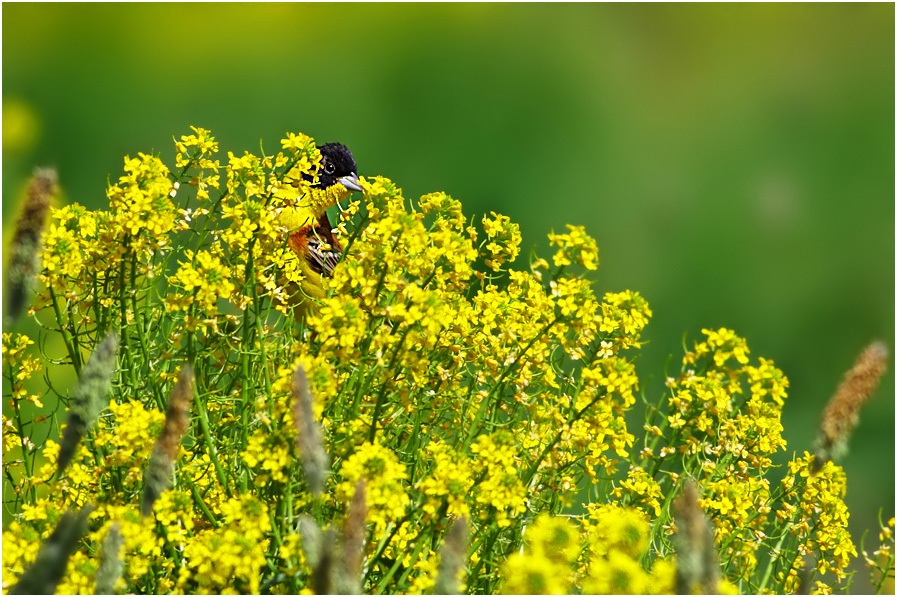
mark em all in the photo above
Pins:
pixel 735 162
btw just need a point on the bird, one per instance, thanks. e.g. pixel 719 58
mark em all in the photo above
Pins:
pixel 314 241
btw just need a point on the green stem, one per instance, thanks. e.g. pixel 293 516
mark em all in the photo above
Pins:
pixel 382 394
pixel 142 328
pixel 493 537
pixel 419 546
pixel 197 498
pixel 20 429
pixel 263 350
pixel 210 442
pixel 125 350
pixel 382 547
pixel 510 366
pixel 74 355
pixel 530 473
pixel 245 351
pixel 786 532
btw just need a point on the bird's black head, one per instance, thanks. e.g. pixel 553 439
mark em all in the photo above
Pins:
pixel 338 166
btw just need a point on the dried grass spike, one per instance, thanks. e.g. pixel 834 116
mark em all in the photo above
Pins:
pixel 159 469
pixel 314 458
pixel 842 412
pixel 697 570
pixel 21 271
pixel 90 397
pixel 45 573
pixel 111 565
pixel 452 555
pixel 353 543
pixel 318 547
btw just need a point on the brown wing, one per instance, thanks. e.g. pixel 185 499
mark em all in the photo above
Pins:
pixel 320 260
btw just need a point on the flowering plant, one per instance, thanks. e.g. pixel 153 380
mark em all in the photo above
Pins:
pixel 443 419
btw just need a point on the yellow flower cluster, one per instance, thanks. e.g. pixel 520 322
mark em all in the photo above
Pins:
pixel 454 383
pixel 574 247
pixel 599 555
pixel 815 507
pixel 740 509
pixel 204 279
pixel 617 528
pixel 710 409
pixel 545 566
pixel 501 492
pixel 141 552
pixel 20 366
pixel 270 457
pixel 64 246
pixel 640 489
pixel 503 241
pixel 140 200
pixel 722 345
pixel 448 484
pixel 127 439
pixel 21 542
pixel 625 314
pixel 122 443
pixel 386 496
pixel 230 559
pixel 194 154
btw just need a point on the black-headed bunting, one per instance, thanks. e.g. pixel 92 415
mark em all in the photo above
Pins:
pixel 315 243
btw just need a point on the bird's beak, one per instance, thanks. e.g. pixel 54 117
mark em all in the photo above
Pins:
pixel 350 182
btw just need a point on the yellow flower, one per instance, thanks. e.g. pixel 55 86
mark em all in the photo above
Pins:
pixel 269 456
pixel 386 496
pixel 616 574
pixel 204 279
pixel 203 145
pixel 128 439
pixel 501 490
pixel 555 537
pixel 641 489
pixel 232 556
pixel 618 528
pixel 140 200
pixel 574 247
pixel 534 574
pixel 503 240
pixel 63 251
pixel 449 482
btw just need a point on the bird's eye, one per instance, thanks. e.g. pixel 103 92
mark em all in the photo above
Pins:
pixel 329 168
